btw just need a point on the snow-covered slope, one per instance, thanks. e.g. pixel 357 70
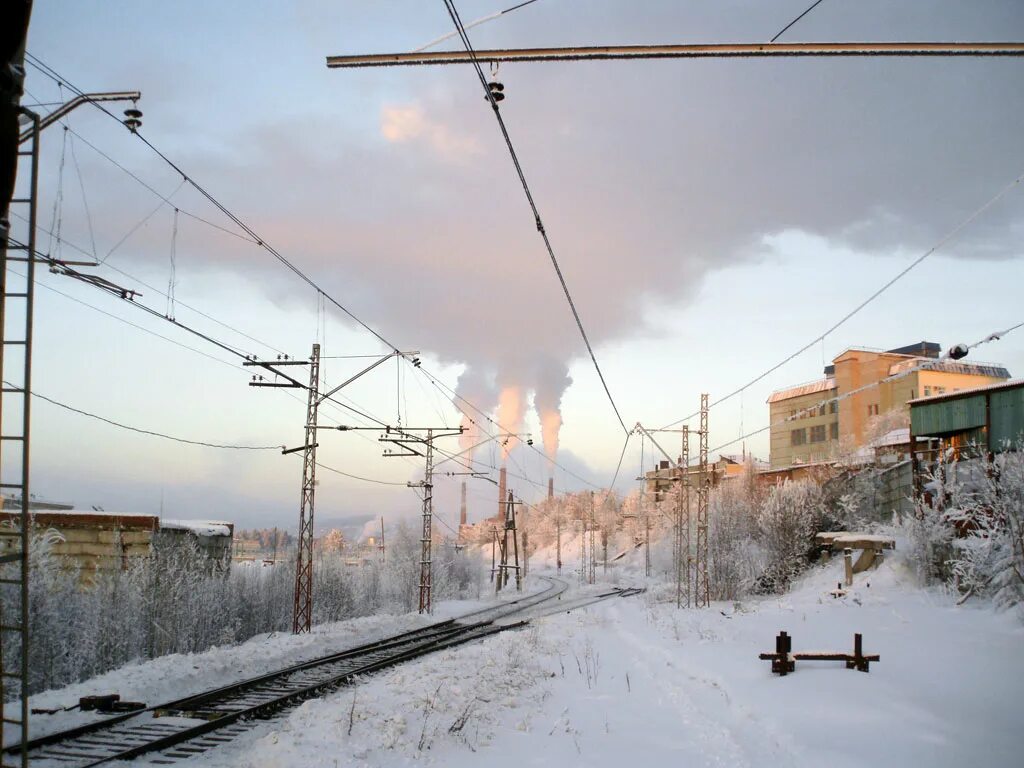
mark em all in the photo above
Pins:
pixel 635 681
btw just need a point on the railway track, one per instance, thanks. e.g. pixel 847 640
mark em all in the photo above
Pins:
pixel 187 727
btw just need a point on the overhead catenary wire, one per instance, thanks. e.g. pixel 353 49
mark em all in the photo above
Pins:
pixel 457 21
pixel 782 31
pixel 251 235
pixel 152 433
pixel 475 23
pixel 177 302
pixel 165 198
pixel 888 284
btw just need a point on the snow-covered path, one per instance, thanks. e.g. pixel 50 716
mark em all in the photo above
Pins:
pixel 636 681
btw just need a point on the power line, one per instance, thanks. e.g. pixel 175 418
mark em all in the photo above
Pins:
pixel 474 23
pixel 177 302
pixel 454 14
pixel 902 273
pixel 794 21
pixel 165 198
pixel 359 477
pixel 133 325
pixel 151 432
pixel 255 238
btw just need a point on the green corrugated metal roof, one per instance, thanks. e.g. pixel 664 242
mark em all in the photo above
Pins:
pixel 946 416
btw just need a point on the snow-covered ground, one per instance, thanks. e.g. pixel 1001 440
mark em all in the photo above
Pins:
pixel 178 675
pixel 637 680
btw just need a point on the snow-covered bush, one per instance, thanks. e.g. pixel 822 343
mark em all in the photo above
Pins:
pixel 969 533
pixel 790 516
pixel 732 550
pixel 176 601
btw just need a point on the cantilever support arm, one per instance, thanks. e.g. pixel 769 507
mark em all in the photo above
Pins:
pixel 76 102
pixel 641 428
pixel 366 370
pixel 689 51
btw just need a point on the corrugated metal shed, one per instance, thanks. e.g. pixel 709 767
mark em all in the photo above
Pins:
pixel 1006 410
pixel 949 416
pixel 1000 406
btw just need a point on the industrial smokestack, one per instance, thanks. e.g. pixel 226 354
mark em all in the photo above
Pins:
pixel 551 487
pixel 462 507
pixel 501 495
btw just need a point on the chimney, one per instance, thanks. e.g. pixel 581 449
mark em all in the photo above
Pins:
pixel 501 495
pixel 551 487
pixel 462 507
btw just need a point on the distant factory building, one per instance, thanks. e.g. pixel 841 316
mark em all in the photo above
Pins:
pixel 862 401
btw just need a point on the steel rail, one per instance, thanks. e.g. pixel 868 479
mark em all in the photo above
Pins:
pixel 184 726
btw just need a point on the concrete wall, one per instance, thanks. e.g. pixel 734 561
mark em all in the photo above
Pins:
pixel 92 543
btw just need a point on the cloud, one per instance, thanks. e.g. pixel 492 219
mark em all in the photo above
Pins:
pixel 408 123
pixel 650 176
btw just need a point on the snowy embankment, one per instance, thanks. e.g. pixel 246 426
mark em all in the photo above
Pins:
pixel 179 675
pixel 635 680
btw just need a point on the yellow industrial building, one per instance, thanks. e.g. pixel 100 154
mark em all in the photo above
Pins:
pixel 862 401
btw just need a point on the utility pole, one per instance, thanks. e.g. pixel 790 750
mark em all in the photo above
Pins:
pixel 509 530
pixel 646 514
pixel 702 598
pixel 526 550
pixel 558 524
pixel 19 187
pixel 383 555
pixel 583 547
pixel 302 615
pixel 302 612
pixel 681 545
pixel 427 535
pixel 683 563
pixel 411 443
pixel 591 573
pixel 494 549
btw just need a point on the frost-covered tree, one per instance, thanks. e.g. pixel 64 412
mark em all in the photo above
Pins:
pixel 969 530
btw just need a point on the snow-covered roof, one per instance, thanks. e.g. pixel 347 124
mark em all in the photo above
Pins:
pixel 898 436
pixel 1011 384
pixel 976 368
pixel 198 527
pixel 821 385
pixel 98 512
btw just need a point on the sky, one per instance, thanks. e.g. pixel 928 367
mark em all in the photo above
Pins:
pixel 711 217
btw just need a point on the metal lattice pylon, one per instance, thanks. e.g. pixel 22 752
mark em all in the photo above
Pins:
pixel 592 544
pixel 702 592
pixel 303 610
pixel 426 537
pixel 684 562
pixel 509 531
pixel 17 293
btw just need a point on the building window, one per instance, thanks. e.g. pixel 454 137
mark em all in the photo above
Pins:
pixel 833 407
pixel 834 430
pixel 799 436
pixel 927 391
pixel 821 409
pixel 818 434
pixel 940 390
pixel 873 409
